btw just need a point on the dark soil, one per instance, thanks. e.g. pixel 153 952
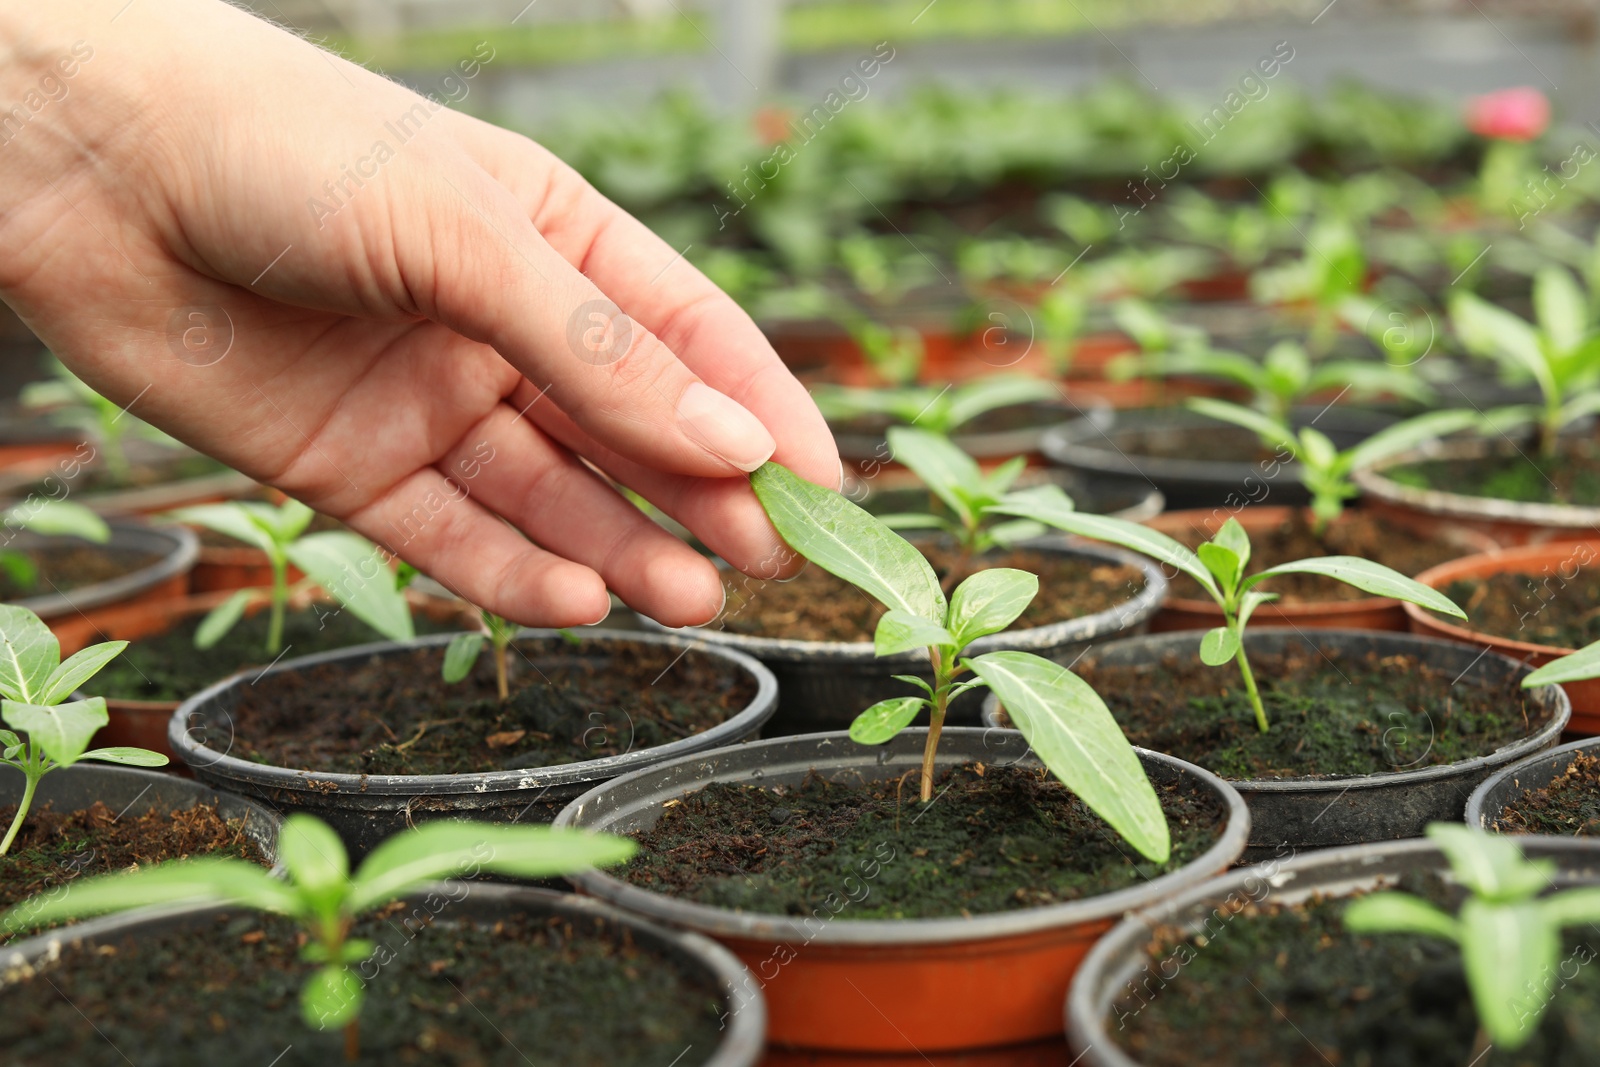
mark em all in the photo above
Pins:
pixel 1213 444
pixel 176 467
pixel 1572 477
pixel 816 606
pixel 1542 609
pixel 69 564
pixel 518 991
pixel 1000 420
pixel 169 667
pixel 992 840
pixel 396 715
pixel 1357 534
pixel 1333 714
pixel 1288 986
pixel 1569 806
pixel 54 848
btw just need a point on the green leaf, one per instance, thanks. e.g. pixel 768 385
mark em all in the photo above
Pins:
pixel 1578 667
pixel 1224 565
pixel 848 543
pixel 987 394
pixel 1233 538
pixel 204 879
pixel 1269 429
pixel 62 730
pixel 230 520
pixel 1398 913
pixel 901 631
pixel 77 669
pixel 1006 534
pixel 128 757
pixel 29 654
pixel 1404 436
pixel 1072 731
pixel 1218 646
pixel 461 849
pixel 460 655
pixel 885 719
pixel 222 618
pixel 1572 907
pixel 59 518
pixel 291 520
pixel 942 466
pixel 331 997
pixel 1490 865
pixel 356 573
pixel 1560 307
pixel 1508 951
pixel 988 602
pixel 911 520
pixel 1250 602
pixel 1370 577
pixel 1316 450
pixel 1491 331
pixel 312 853
pixel 998 481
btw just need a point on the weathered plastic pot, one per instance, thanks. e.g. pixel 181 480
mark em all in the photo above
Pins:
pixel 902 491
pixel 75 617
pixel 1487 805
pixel 741 1005
pixel 870 452
pixel 1509 522
pixel 824 685
pixel 883 985
pixel 1562 561
pixel 366 808
pixel 1327 812
pixel 1367 613
pixel 1122 975
pixel 1106 444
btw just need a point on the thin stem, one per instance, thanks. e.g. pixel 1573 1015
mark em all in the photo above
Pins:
pixel 352 1040
pixel 1250 685
pixel 941 682
pixel 280 601
pixel 26 802
pixel 500 670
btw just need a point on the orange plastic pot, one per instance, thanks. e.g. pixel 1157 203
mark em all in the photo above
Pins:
pixel 1367 613
pixel 1037 1054
pixel 885 986
pixel 227 568
pixel 1558 561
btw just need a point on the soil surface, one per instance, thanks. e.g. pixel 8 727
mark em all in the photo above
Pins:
pixel 71 564
pixel 1569 806
pixel 816 606
pixel 396 715
pixel 999 420
pixel 1289 986
pixel 1543 609
pixel 1356 534
pixel 169 667
pixel 54 848
pixel 1212 444
pixel 1333 714
pixel 993 839
pixel 1571 477
pixel 518 991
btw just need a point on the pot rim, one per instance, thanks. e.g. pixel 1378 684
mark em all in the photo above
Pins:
pixel 1460 505
pixel 1529 744
pixel 179 547
pixel 1476 816
pixel 771 927
pixel 746 1010
pixel 1511 558
pixel 995 444
pixel 1125 613
pixel 221 764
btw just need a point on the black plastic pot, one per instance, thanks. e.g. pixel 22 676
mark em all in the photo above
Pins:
pixel 868 449
pixel 824 685
pixel 1302 813
pixel 1488 803
pixel 742 1005
pixel 1106 444
pixel 177 547
pixel 366 808
pixel 987 979
pixel 1128 499
pixel 1120 975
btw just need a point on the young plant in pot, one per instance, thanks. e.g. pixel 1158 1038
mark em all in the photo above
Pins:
pixel 22 571
pixel 1033 838
pixel 992 418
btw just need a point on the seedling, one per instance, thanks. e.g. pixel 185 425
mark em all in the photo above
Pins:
pixel 1560 352
pixel 894 353
pixel 1066 723
pixel 1059 317
pixel 1331 269
pixel 1324 469
pixel 50 518
pixel 1243 233
pixel 1218 566
pixel 1580 666
pixel 464 649
pixel 35 686
pixel 1509 935
pixel 939 410
pixel 342 564
pixel 325 898
pixel 72 402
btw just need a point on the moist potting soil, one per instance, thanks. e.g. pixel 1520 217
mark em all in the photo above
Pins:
pixel 1568 806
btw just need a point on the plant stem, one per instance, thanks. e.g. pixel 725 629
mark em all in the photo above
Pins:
pixel 500 670
pixel 941 681
pixel 280 600
pixel 22 808
pixel 352 1040
pixel 1250 686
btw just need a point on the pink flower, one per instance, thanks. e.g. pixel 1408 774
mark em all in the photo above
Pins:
pixel 1519 114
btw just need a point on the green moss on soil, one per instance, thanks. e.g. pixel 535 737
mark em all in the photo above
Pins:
pixel 1542 609
pixel 1572 477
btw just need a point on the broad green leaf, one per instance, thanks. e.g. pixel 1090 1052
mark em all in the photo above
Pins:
pixel 848 543
pixel 312 853
pixel 331 997
pixel 128 757
pixel 1578 667
pixel 59 518
pixel 1572 907
pixel 203 879
pixel 998 482
pixel 1398 913
pixel 1490 331
pixel 463 849
pixel 61 730
pixel 1223 563
pixel 885 719
pixel 1288 368
pixel 29 654
pixel 1316 450
pixel 356 573
pixel 983 395
pixel 1269 429
pixel 1509 952
pixel 1142 322
pixel 1250 602
pixel 900 631
pixel 911 679
pixel 1006 534
pixel 460 655
pixel 1370 378
pixel 230 520
pixel 222 618
pixel 1490 865
pixel 1218 646
pixel 1578 407
pixel 1560 307
pixel 1403 436
pixel 1072 731
pixel 77 669
pixel 988 602
pixel 1233 538
pixel 1370 577
pixel 942 466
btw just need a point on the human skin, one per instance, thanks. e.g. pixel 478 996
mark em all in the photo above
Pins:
pixel 377 351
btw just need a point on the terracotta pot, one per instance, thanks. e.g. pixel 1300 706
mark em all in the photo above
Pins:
pixel 870 453
pixel 225 568
pixel 1368 613
pixel 1547 560
pixel 32 448
pixel 75 616
pixel 885 985
pixel 1223 286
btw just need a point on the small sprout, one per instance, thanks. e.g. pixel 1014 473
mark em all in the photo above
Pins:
pixel 941 410
pixel 36 685
pixel 464 649
pixel 49 518
pixel 325 898
pixel 71 401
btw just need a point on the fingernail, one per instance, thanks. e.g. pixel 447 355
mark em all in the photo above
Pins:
pixel 841 476
pixel 724 428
